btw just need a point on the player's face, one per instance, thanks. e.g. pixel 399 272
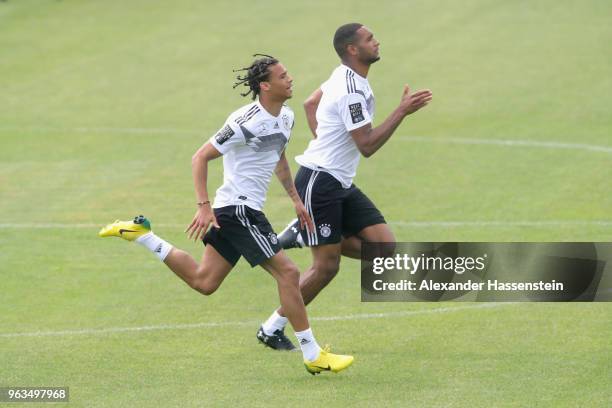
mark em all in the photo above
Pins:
pixel 367 46
pixel 280 82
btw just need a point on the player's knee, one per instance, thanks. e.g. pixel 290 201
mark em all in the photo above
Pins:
pixel 332 269
pixel 204 286
pixel 390 238
pixel 386 238
pixel 328 268
pixel 290 275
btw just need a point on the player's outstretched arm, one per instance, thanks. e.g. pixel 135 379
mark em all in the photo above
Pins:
pixel 283 172
pixel 310 106
pixel 369 139
pixel 204 216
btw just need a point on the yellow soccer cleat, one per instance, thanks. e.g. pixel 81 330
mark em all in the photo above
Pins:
pixel 328 362
pixel 128 230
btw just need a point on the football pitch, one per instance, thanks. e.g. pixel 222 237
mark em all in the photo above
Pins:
pixel 103 103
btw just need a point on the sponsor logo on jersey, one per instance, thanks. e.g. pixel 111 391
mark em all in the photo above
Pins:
pixel 224 134
pixel 273 239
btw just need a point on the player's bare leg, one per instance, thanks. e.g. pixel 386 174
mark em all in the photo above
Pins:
pixel 287 277
pixel 326 263
pixel 205 277
pixel 326 260
pixel 351 246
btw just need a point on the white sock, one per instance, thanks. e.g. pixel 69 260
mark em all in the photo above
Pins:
pixel 310 347
pixel 155 244
pixel 275 322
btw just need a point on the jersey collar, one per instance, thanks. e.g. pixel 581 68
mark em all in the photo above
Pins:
pixel 265 111
pixel 351 70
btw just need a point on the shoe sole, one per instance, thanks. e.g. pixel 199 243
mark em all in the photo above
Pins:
pixel 315 372
pixel 294 349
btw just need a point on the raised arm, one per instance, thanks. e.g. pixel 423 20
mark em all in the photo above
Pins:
pixel 310 106
pixel 204 216
pixel 369 140
pixel 283 172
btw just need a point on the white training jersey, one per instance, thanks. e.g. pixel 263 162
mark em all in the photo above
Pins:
pixel 347 104
pixel 251 142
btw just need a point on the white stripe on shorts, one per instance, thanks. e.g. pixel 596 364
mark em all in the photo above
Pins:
pixel 312 235
pixel 258 233
pixel 257 236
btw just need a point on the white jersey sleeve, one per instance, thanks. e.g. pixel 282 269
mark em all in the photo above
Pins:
pixel 353 111
pixel 228 137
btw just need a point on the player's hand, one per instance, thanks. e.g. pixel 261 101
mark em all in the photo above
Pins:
pixel 204 218
pixel 411 103
pixel 304 217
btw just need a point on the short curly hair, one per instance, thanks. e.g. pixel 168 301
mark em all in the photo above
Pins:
pixel 344 36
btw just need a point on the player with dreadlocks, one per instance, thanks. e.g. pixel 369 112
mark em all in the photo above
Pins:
pixel 252 142
pixel 256 73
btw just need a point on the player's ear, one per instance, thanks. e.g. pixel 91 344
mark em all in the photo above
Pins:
pixel 264 86
pixel 351 49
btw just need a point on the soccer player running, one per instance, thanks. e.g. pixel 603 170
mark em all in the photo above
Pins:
pixel 339 115
pixel 252 142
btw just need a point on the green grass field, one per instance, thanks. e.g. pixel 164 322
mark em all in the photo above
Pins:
pixel 102 105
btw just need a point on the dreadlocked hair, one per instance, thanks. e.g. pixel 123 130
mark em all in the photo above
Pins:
pixel 256 73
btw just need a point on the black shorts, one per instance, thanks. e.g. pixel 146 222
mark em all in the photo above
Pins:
pixel 244 232
pixel 336 211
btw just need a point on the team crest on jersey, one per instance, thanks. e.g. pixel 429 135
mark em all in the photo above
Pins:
pixel 325 230
pixel 224 134
pixel 286 122
pixel 356 113
pixel 273 239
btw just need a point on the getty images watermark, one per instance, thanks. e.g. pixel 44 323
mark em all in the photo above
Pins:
pixel 486 271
